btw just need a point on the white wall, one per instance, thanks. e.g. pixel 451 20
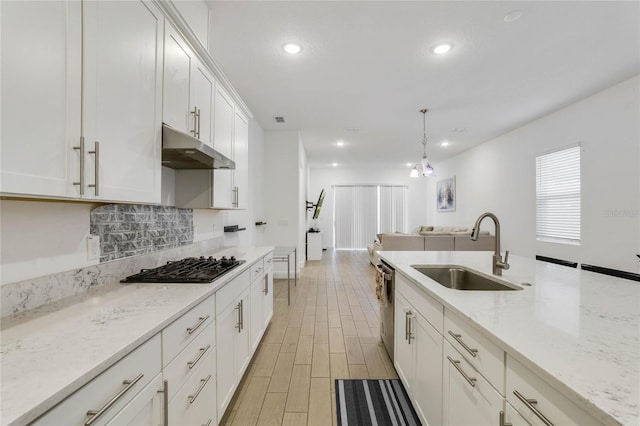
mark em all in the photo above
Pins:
pixel 284 183
pixel 499 176
pixel 327 177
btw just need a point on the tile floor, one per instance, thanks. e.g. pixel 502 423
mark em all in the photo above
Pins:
pixel 330 331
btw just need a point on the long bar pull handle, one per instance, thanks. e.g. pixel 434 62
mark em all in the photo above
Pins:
pixel 266 285
pixel 203 383
pixel 531 405
pixel 95 415
pixel 96 168
pixel 502 423
pixel 458 337
pixel 238 325
pixel 201 353
pixel 195 122
pixel 165 401
pixel 411 317
pixel 81 180
pixel 201 321
pixel 198 115
pixel 242 314
pixel 471 380
pixel 406 326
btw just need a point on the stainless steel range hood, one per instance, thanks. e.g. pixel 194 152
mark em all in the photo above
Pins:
pixel 183 151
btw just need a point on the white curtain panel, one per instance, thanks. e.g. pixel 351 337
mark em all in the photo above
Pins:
pixel 392 202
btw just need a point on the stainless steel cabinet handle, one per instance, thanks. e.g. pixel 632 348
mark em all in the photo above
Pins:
pixel 241 314
pixel 406 326
pixel 411 316
pixel 165 401
pixel 201 353
pixel 531 405
pixel 201 321
pixel 239 324
pixel 96 168
pixel 502 423
pixel 196 124
pixel 95 415
pixel 81 180
pixel 266 285
pixel 471 380
pixel 203 383
pixel 458 337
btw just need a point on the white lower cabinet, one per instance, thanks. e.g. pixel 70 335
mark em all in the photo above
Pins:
pixel 232 337
pixel 418 360
pixel 112 391
pixel 468 399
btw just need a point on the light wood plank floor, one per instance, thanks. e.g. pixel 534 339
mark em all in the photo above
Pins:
pixel 330 331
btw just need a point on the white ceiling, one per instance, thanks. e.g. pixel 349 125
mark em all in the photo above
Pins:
pixel 367 65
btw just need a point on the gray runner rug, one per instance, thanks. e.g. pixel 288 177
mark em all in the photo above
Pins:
pixel 374 402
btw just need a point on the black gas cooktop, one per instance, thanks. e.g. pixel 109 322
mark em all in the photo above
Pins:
pixel 190 270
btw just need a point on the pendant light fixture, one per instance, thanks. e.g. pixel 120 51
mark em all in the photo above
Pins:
pixel 424 168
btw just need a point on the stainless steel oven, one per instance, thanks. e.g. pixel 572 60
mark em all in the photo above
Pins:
pixel 385 287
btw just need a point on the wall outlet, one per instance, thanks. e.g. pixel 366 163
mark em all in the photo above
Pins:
pixel 93 247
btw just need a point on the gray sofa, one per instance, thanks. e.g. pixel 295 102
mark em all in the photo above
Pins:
pixel 431 239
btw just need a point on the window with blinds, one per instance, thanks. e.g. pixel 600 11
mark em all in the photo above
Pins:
pixel 558 196
pixel 362 211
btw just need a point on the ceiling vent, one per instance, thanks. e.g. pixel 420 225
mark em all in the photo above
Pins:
pixel 279 119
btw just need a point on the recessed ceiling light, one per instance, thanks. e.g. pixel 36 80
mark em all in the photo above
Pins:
pixel 409 164
pixel 442 48
pixel 445 143
pixel 335 164
pixel 340 143
pixel 514 15
pixel 292 48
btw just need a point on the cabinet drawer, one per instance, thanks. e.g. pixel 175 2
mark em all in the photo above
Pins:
pixel 428 307
pixel 257 270
pixel 186 363
pixel 195 402
pixel 182 331
pixel 142 364
pixel 479 351
pixel 232 290
pixel 550 403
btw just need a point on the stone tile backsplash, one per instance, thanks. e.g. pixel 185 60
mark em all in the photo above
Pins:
pixel 129 230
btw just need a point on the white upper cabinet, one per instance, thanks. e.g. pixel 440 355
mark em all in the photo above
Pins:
pixel 241 158
pixel 223 194
pixel 203 92
pixel 81 100
pixel 196 14
pixel 41 89
pixel 123 99
pixel 178 72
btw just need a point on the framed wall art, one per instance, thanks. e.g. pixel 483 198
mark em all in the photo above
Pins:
pixel 446 195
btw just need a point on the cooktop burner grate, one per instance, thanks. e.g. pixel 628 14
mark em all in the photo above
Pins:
pixel 189 270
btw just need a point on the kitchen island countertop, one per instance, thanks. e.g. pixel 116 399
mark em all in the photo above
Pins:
pixel 51 351
pixel 578 330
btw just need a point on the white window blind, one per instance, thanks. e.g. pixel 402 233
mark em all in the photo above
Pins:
pixel 392 209
pixel 362 211
pixel 558 196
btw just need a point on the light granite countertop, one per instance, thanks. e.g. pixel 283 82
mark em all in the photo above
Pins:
pixel 578 330
pixel 51 351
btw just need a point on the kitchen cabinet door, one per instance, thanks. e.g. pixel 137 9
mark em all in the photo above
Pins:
pixel 122 105
pixel 241 158
pixel 223 195
pixel 242 346
pixel 267 300
pixel 257 324
pixel 404 354
pixel 468 399
pixel 227 327
pixel 427 384
pixel 179 63
pixel 41 97
pixel 202 95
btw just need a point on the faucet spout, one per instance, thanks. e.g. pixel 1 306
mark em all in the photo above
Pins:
pixel 498 263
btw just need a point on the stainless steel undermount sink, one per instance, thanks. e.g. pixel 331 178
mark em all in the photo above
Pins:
pixel 458 277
